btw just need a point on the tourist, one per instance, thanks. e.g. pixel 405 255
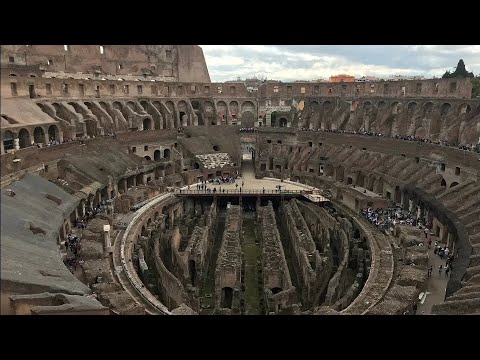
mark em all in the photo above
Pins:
pixel 440 268
pixel 447 270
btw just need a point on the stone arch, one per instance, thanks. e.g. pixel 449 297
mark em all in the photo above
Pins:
pixel 24 138
pixel 234 109
pixel 443 183
pixel 195 105
pixel 166 154
pixel 339 174
pixel 314 105
pixel 428 108
pixel 248 119
pixel 367 105
pixel 464 109
pixel 379 186
pixel 196 165
pixel 122 184
pixel 91 126
pixel 117 105
pixel 282 122
pixel 395 107
pixel 147 124
pixel 157 155
pixel 222 110
pixel 144 105
pixel 192 271
pixel 53 133
pixel 8 140
pixel 273 119
pixel 39 135
pixel 327 106
pixel 371 180
pixel 339 195
pixel 132 106
pixel 139 179
pixel 103 105
pixel 381 105
pixel 360 180
pixel 445 108
pixel 453 184
pixel 147 157
pixel 398 195
pixel 226 297
pixel 182 112
pixel 411 107
pixel 248 106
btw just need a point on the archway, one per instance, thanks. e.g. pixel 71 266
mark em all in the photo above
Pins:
pixel 53 133
pixel 276 290
pixel 453 184
pixel 282 122
pixel 147 157
pixel 140 179
pixel 248 119
pixel 226 297
pixel 39 135
pixel 398 195
pixel 8 143
pixel 91 126
pixel 24 138
pixel 443 183
pixel 147 124
pixel 156 155
pixel 166 154
pixel 192 271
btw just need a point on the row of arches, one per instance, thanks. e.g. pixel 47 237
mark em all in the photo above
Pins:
pixel 25 136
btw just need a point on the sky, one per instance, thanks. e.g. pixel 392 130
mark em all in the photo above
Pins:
pixel 312 62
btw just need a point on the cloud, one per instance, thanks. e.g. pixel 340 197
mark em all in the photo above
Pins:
pixel 310 62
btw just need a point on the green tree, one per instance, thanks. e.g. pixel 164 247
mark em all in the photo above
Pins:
pixel 460 71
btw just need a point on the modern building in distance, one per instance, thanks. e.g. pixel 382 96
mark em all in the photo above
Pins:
pixel 342 78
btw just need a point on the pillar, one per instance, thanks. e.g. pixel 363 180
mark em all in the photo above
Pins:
pixel 106 237
pixel 171 217
pixel 16 143
pixel 2 148
pixel 47 139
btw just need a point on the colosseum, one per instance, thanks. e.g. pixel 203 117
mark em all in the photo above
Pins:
pixel 132 184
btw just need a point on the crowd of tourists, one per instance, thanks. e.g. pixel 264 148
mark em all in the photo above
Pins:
pixel 389 217
pixel 248 130
pixel 73 242
pixel 466 147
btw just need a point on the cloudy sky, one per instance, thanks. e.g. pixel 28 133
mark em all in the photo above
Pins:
pixel 310 62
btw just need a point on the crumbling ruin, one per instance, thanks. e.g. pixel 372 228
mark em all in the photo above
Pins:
pixel 138 140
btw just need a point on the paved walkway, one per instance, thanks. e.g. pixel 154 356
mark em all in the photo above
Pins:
pixel 251 183
pixel 436 284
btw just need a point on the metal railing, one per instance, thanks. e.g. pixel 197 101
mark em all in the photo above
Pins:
pixel 241 192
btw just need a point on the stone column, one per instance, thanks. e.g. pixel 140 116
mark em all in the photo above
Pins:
pixel 16 143
pixel 171 217
pixel 2 148
pixel 106 237
pixel 47 139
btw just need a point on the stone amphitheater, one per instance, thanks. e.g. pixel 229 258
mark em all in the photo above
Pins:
pixel 132 184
